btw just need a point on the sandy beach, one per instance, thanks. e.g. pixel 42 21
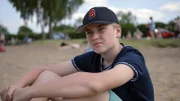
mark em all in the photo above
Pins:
pixel 163 65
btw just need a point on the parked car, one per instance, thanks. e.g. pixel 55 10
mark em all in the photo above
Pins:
pixel 166 33
pixel 60 35
pixel 163 33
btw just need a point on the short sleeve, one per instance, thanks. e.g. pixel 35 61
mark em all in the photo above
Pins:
pixel 135 61
pixel 81 62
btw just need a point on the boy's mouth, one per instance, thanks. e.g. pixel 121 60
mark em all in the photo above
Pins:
pixel 97 43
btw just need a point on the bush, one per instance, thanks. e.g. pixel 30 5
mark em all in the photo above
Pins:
pixel 34 36
pixel 74 35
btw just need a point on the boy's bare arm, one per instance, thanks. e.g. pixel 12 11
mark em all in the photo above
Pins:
pixel 63 68
pixel 83 84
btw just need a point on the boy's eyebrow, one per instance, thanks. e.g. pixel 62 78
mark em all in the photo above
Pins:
pixel 101 25
pixel 86 29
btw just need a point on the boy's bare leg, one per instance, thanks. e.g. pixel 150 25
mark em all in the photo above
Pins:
pixel 47 76
pixel 100 97
pixel 152 34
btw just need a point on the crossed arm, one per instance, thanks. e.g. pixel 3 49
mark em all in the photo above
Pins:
pixel 79 84
pixel 62 69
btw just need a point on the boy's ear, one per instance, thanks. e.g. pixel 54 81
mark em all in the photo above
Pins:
pixel 118 31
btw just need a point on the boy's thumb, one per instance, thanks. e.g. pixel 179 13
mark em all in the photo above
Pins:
pixel 1 93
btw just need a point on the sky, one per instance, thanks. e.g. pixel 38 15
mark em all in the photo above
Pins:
pixel 160 10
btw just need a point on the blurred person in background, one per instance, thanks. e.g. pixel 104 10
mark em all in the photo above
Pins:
pixel 152 27
pixel 138 34
pixel 177 28
pixel 129 35
pixel 2 42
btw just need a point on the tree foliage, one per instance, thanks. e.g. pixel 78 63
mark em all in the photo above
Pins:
pixel 125 18
pixel 160 24
pixel 24 30
pixel 48 12
pixel 3 29
pixel 144 29
pixel 127 22
pixel 171 24
pixel 25 7
pixel 78 22
pixel 127 27
pixel 64 29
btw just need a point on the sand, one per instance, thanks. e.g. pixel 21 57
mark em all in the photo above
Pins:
pixel 163 65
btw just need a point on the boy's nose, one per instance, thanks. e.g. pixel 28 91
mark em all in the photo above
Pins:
pixel 95 36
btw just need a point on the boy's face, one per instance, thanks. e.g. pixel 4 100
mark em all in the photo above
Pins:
pixel 102 37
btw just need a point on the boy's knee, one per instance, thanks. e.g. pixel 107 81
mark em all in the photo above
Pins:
pixel 48 73
pixel 46 76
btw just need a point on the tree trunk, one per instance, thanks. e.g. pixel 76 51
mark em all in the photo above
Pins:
pixel 55 24
pixel 43 33
pixel 25 22
pixel 50 28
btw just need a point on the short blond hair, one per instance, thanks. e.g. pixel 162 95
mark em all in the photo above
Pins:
pixel 115 25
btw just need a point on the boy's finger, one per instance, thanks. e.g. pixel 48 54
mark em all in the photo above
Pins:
pixel 6 96
pixel 1 93
pixel 10 93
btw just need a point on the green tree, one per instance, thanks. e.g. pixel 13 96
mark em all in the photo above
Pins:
pixel 64 28
pixel 127 21
pixel 23 30
pixel 125 18
pixel 48 12
pixel 58 10
pixel 25 7
pixel 3 29
pixel 78 22
pixel 127 27
pixel 143 28
pixel 160 25
pixel 171 24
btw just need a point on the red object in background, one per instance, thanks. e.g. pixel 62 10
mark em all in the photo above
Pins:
pixel 149 33
pixel 2 49
pixel 167 34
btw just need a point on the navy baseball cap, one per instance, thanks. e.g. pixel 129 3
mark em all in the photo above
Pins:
pixel 98 15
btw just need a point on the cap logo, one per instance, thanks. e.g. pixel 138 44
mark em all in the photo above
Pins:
pixel 91 14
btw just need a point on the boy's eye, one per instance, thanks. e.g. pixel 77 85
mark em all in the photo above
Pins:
pixel 88 33
pixel 102 28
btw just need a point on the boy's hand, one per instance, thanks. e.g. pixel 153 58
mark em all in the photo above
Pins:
pixel 21 94
pixel 3 95
pixel 6 94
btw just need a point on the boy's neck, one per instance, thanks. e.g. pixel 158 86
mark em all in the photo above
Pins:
pixel 111 55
